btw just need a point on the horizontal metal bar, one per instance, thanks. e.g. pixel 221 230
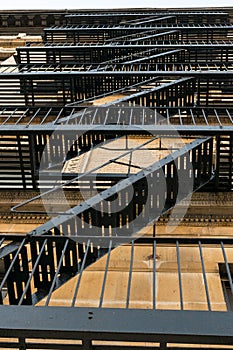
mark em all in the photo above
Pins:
pixel 120 129
pixel 131 28
pixel 32 237
pixel 85 47
pixel 136 64
pixel 147 73
pixel 122 325
pixel 76 110
pixel 147 13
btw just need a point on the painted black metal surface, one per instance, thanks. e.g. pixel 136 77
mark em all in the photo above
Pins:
pixel 160 71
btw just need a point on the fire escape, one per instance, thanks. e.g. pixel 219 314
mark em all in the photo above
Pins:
pixel 133 112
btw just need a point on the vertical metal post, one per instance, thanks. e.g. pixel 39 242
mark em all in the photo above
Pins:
pixel 163 346
pixel 22 344
pixel 87 344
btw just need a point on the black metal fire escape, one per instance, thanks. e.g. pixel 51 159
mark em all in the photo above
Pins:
pixel 165 74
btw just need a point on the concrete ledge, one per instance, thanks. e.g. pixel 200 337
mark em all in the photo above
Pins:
pixel 13 41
